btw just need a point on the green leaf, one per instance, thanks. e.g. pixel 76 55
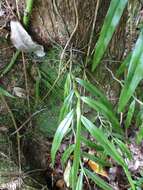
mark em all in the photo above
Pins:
pixel 80 181
pixel 67 87
pixel 124 65
pixel 139 136
pixel 67 154
pixel 107 145
pixel 102 139
pixel 76 160
pixel 124 148
pixel 66 105
pixel 110 23
pixel 5 93
pixel 130 114
pixel 91 144
pixel 135 74
pixel 101 108
pixel 60 133
pixel 100 182
pixel 129 177
pixel 94 91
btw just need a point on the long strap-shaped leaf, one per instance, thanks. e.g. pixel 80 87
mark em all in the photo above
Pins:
pixel 107 145
pixel 135 73
pixel 111 21
pixel 76 160
pixel 102 140
pixel 5 93
pixel 99 181
pixel 60 133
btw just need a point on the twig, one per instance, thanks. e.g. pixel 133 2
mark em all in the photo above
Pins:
pixel 28 120
pixel 92 32
pixel 10 65
pixel 71 36
pixel 17 9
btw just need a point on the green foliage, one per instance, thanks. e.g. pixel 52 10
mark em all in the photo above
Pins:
pixel 74 122
pixel 130 114
pixel 101 108
pixel 60 133
pixel 100 182
pixel 135 73
pixel 110 23
pixel 5 93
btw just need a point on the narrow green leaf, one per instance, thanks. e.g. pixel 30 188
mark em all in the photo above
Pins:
pixel 107 145
pixel 139 136
pixel 129 177
pixel 76 160
pixel 5 93
pixel 66 105
pixel 91 144
pixel 102 139
pixel 124 65
pixel 124 148
pixel 67 154
pixel 60 133
pixel 111 21
pixel 130 114
pixel 135 74
pixel 67 87
pixel 94 91
pixel 101 108
pixel 80 181
pixel 100 182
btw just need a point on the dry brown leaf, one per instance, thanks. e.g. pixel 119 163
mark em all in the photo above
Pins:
pixel 97 169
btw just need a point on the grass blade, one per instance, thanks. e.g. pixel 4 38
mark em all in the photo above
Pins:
pixel 60 133
pixel 111 21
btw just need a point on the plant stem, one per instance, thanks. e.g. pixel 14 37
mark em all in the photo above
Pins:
pixel 9 66
pixel 27 13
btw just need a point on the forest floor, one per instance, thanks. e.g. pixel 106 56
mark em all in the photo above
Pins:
pixel 29 120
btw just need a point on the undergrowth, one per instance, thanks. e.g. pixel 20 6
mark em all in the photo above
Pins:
pixel 67 106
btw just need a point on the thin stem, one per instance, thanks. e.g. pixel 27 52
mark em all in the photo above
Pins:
pixel 27 12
